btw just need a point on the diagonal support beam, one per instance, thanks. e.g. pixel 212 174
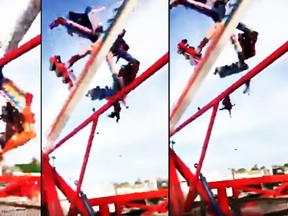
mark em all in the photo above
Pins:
pixel 85 162
pixel 190 196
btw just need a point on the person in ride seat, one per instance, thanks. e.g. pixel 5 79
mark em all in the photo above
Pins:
pixel 87 19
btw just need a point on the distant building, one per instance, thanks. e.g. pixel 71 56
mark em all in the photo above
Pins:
pixel 138 186
pixel 255 172
pixel 250 173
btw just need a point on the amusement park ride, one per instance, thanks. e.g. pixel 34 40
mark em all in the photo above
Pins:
pixel 220 203
pixel 18 106
pixel 52 181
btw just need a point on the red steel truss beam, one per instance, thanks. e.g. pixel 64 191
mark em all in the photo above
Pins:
pixel 160 208
pixel 206 141
pixel 248 181
pixel 260 191
pixel 85 161
pixel 283 189
pixel 104 201
pixel 187 174
pixel 238 185
pixel 221 186
pixel 177 199
pixel 20 188
pixel 128 197
pixel 49 188
pixel 86 156
pixel 21 50
pixel 190 196
pixel 63 187
pixel 256 70
pixel 9 179
pixel 145 75
pixel 139 206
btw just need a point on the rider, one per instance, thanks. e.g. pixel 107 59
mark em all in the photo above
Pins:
pixel 227 104
pixel 216 12
pixel 12 116
pixel 118 49
pixel 14 122
pixel 125 77
pixel 183 48
pixel 87 19
pixel 244 45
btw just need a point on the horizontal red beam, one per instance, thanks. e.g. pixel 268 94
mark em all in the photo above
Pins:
pixel 256 70
pixel 11 178
pixel 161 208
pixel 136 205
pixel 248 181
pixel 21 50
pixel 259 191
pixel 145 75
pixel 128 197
pixel 150 208
pixel 20 188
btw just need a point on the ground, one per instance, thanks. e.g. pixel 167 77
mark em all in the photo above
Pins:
pixel 12 206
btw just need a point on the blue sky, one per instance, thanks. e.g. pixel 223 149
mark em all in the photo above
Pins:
pixel 137 145
pixel 25 72
pixel 258 127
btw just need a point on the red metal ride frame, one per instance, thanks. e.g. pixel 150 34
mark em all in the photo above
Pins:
pixel 20 185
pixel 51 178
pixel 221 186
